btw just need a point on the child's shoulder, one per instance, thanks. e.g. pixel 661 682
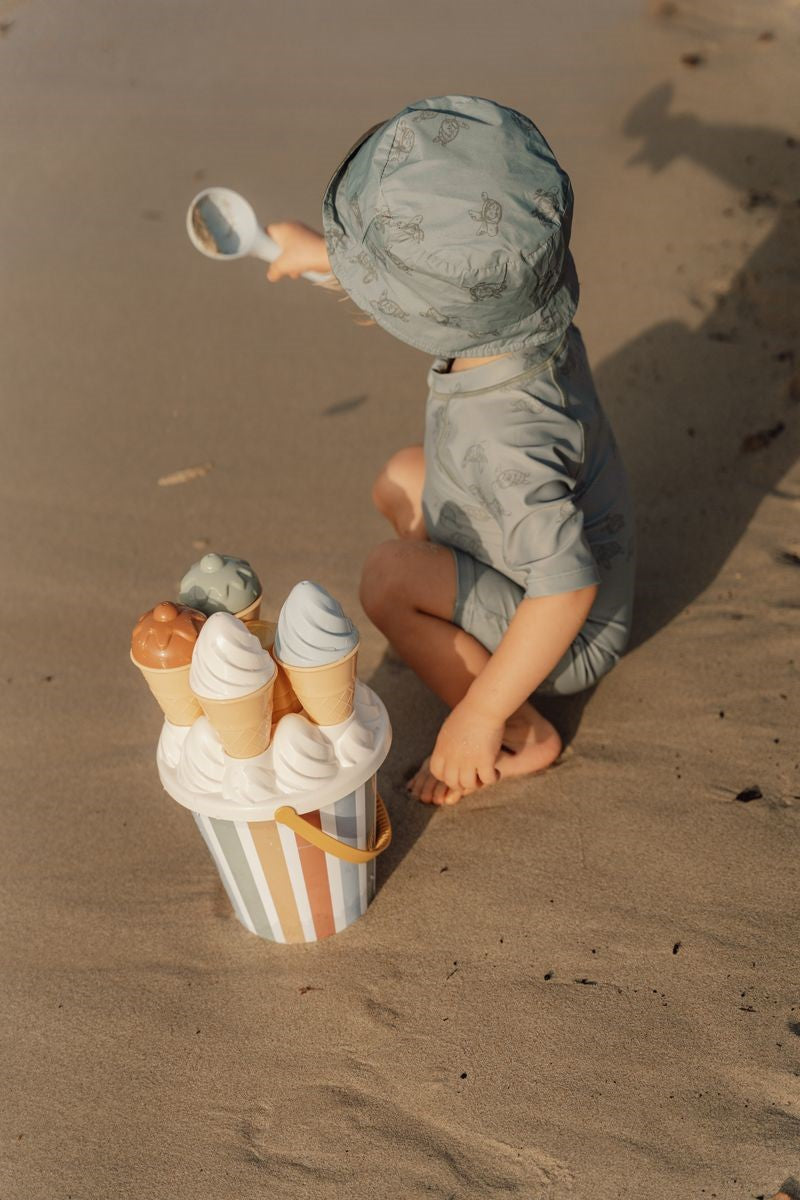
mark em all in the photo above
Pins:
pixel 563 384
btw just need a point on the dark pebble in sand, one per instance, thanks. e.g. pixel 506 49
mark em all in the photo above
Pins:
pixel 757 441
pixel 676 947
pixel 751 793
pixel 722 335
pixel 755 199
pixel 790 558
pixel 692 60
pixel 548 975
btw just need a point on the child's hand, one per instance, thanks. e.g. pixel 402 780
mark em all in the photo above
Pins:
pixel 303 250
pixel 467 748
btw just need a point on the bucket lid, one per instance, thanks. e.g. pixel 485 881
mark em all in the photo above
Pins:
pixel 306 766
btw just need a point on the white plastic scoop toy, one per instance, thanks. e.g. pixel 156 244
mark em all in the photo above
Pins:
pixel 222 225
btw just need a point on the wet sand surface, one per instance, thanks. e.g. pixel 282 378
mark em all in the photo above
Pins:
pixel 582 985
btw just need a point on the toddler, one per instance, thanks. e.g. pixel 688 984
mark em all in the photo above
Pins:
pixel 512 572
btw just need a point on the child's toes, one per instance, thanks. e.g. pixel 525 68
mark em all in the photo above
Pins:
pixel 428 791
pixel 418 780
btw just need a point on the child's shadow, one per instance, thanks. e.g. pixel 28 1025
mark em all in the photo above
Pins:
pixel 707 416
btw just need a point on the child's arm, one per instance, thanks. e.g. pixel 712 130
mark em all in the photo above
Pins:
pixel 539 633
pixel 303 250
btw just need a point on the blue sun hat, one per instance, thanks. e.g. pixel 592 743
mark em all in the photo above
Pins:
pixel 450 223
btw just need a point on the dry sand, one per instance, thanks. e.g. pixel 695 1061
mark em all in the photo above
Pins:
pixel 579 986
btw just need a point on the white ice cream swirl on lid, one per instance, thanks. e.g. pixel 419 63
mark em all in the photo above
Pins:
pixel 229 662
pixel 202 761
pixel 302 756
pixel 313 629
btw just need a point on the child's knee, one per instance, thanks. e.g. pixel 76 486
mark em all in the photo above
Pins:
pixel 381 578
pixel 398 488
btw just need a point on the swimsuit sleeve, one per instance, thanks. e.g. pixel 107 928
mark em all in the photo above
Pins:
pixel 541 524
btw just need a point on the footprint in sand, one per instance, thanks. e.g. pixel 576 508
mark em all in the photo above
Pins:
pixel 314 1140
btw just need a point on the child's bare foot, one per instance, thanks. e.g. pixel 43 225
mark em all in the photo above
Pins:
pixel 430 790
pixel 530 744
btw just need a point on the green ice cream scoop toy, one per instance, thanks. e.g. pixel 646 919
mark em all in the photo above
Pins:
pixel 222 583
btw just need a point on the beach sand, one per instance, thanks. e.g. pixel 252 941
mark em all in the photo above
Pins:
pixel 582 985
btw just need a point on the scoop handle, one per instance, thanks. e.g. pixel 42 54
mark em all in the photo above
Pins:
pixel 264 247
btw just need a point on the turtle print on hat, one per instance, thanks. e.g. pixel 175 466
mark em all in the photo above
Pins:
pixel 389 307
pixel 489 215
pixel 402 144
pixel 356 210
pixel 384 255
pixel 338 238
pixel 449 129
pixel 485 290
pixel 400 229
pixel 433 314
pixel 370 273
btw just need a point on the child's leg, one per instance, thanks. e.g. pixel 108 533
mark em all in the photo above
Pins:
pixel 397 492
pixel 408 589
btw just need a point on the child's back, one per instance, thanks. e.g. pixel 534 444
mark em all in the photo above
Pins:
pixel 523 475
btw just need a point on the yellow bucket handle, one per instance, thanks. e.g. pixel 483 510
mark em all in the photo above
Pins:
pixel 331 845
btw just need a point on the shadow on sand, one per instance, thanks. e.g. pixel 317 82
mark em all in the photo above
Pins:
pixel 708 417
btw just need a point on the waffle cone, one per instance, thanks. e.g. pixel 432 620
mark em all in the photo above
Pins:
pixel 284 701
pixel 326 693
pixel 243 724
pixel 252 612
pixel 171 689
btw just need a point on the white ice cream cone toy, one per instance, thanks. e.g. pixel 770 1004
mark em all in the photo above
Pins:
pixel 233 678
pixel 316 645
pixel 326 692
pixel 161 647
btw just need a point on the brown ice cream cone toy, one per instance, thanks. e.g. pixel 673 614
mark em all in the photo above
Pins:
pixel 233 678
pixel 284 700
pixel 161 647
pixel 316 644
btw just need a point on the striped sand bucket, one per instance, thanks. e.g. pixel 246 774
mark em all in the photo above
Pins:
pixel 299 878
pixel 298 867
